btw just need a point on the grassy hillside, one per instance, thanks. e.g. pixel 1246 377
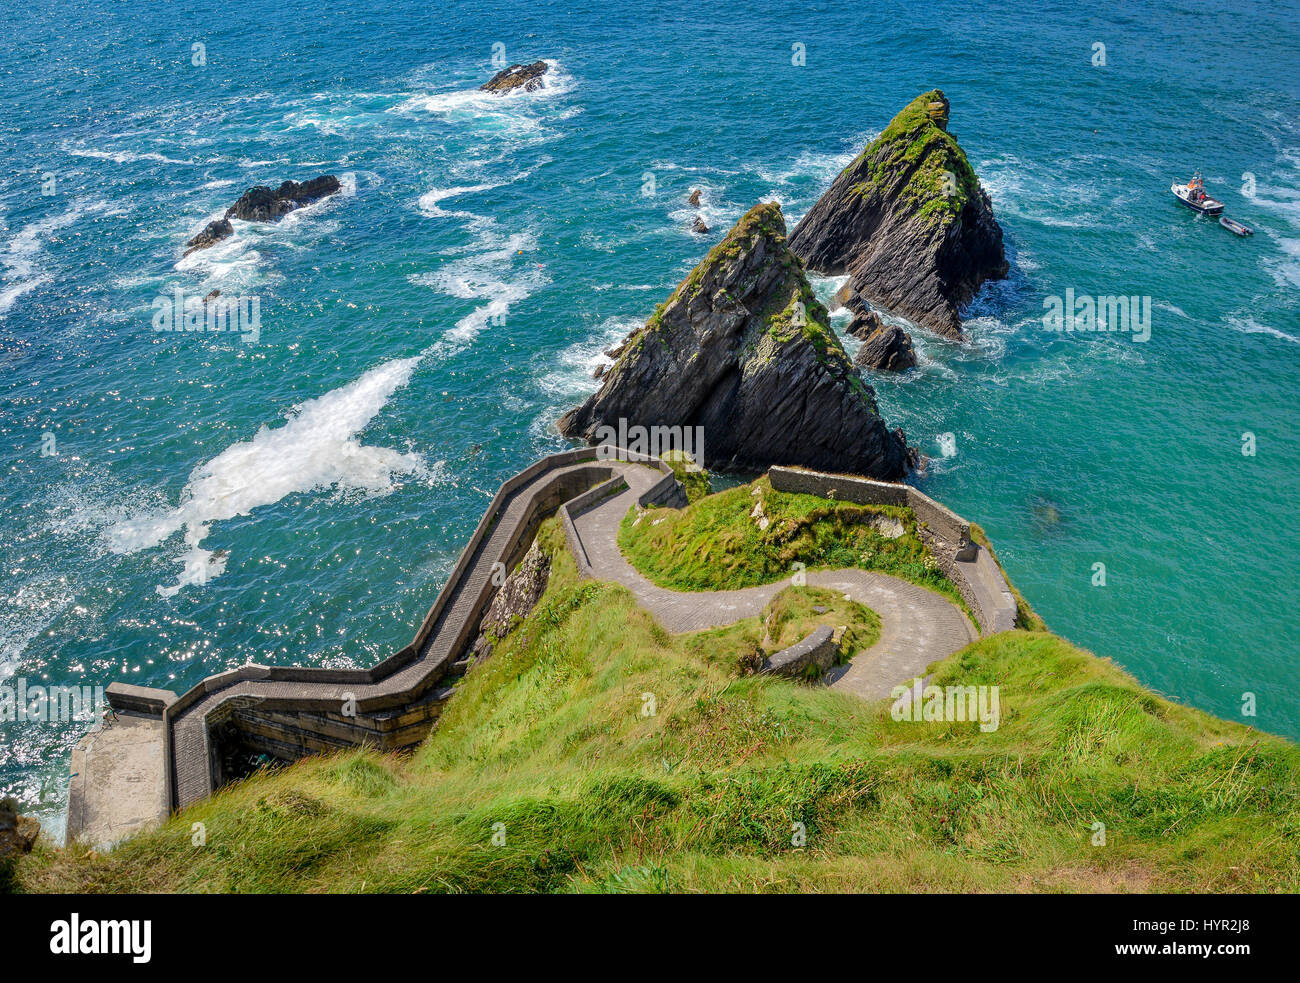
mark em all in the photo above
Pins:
pixel 601 754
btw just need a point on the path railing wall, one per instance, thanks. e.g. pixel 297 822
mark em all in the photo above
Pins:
pixel 400 698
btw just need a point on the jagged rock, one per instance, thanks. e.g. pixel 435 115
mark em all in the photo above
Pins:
pixel 212 295
pixel 599 371
pixel 908 222
pixel 694 199
pixel 865 323
pixel 743 349
pixel 212 234
pixel 263 204
pixel 847 297
pixel 17 833
pixel 699 228
pixel 527 77
pixel 616 351
pixel 888 348
pixel 520 592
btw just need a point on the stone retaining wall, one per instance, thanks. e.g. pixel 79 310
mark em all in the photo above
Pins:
pixel 817 649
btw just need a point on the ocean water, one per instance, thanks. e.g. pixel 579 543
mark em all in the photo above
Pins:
pixel 421 332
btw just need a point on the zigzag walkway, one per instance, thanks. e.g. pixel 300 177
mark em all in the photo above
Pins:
pixel 918 626
pixel 173 754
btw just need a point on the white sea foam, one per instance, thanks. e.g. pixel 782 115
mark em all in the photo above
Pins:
pixel 483 276
pixel 21 257
pixel 120 156
pixel 1047 195
pixel 1248 325
pixel 947 444
pixel 826 287
pixel 234 263
pixel 573 379
pixel 821 168
pixel 474 102
pixel 428 202
pixel 316 449
pixel 716 214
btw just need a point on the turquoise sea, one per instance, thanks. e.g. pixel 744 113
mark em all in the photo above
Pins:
pixel 421 332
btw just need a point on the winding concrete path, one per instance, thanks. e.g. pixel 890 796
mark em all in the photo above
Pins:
pixel 918 626
pixel 295 711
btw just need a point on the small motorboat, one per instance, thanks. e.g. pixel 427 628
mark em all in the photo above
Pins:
pixel 1192 194
pixel 1236 228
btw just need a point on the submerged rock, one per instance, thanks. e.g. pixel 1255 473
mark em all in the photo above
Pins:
pixel 888 349
pixel 908 222
pixel 263 204
pixel 212 234
pixel 743 350
pixel 526 77
pixel 848 298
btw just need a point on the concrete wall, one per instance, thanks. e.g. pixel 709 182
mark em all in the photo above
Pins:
pixel 970 569
pixel 817 649
pixel 242 726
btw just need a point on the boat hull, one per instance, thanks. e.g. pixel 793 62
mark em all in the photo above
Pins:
pixel 1207 207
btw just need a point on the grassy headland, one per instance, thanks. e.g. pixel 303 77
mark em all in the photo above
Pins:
pixel 594 752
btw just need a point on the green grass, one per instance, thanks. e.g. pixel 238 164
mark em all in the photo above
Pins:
pixel 914 147
pixel 550 745
pixel 695 481
pixel 715 544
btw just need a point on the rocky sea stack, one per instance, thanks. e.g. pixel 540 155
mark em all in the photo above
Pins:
pixel 743 349
pixel 263 204
pixel 908 222
pixel 526 77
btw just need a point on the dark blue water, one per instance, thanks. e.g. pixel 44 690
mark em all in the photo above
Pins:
pixel 421 332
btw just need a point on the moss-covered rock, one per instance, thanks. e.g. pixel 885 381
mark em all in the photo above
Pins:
pixel 908 221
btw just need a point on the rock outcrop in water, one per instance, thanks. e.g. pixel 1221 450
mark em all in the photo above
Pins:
pixel 526 77
pixel 908 222
pixel 743 350
pixel 887 349
pixel 263 204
